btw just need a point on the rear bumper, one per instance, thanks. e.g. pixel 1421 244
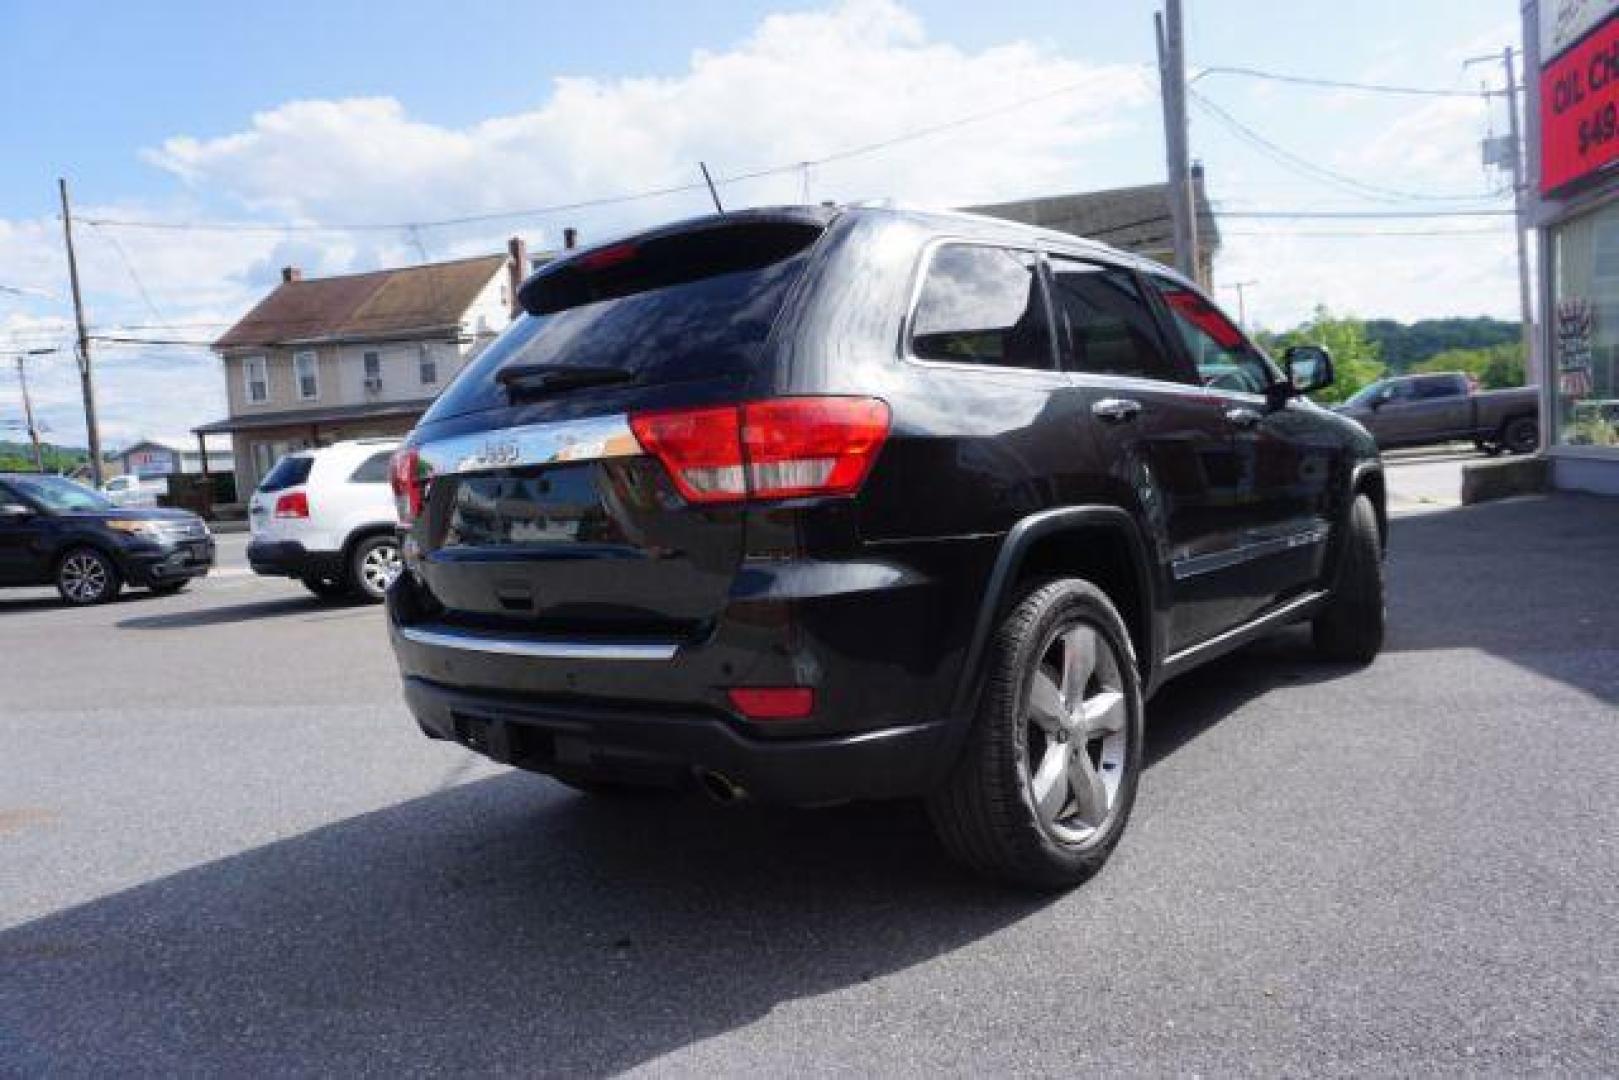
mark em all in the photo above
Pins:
pixel 289 558
pixel 591 739
pixel 880 641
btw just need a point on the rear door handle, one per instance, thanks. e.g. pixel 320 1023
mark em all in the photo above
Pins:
pixel 1116 410
pixel 1243 418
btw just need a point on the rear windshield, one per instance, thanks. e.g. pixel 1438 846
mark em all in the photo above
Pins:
pixel 288 472
pixel 691 306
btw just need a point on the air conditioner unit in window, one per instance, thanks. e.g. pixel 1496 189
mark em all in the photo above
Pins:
pixel 373 384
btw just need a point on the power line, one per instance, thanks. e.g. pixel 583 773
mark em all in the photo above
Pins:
pixel 610 200
pixel 1303 165
pixel 129 266
pixel 1338 84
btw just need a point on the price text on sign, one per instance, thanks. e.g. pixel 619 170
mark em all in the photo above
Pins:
pixel 1579 109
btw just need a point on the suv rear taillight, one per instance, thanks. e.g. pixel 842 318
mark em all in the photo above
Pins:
pixel 776 449
pixel 409 475
pixel 294 504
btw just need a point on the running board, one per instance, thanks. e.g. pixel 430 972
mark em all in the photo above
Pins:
pixel 1180 663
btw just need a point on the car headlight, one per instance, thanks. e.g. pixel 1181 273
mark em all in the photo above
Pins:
pixel 146 530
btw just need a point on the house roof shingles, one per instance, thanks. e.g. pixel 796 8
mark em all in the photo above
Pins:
pixel 379 304
pixel 1133 218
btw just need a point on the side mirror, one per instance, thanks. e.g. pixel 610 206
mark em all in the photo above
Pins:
pixel 14 512
pixel 1309 368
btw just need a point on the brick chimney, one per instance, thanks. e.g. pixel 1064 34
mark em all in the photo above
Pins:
pixel 290 274
pixel 516 269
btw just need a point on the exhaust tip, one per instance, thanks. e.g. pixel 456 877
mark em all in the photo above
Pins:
pixel 721 788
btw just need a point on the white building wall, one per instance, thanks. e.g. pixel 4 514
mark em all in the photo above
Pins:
pixel 401 360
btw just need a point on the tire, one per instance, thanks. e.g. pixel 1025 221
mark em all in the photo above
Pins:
pixel 169 588
pixel 988 812
pixel 373 565
pixel 325 588
pixel 84 576
pixel 1521 436
pixel 1486 447
pixel 1350 628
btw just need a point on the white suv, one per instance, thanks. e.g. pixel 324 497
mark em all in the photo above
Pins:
pixel 326 517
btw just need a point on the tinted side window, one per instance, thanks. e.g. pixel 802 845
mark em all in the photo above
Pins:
pixel 1104 326
pixel 1224 359
pixel 373 470
pixel 982 305
pixel 1441 386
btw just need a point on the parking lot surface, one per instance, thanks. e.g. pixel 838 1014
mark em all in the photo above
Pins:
pixel 224 848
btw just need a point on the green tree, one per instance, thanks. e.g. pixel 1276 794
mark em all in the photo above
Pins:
pixel 1356 359
pixel 1496 368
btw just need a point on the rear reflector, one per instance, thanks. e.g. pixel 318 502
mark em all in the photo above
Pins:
pixel 294 504
pixel 776 449
pixel 773 702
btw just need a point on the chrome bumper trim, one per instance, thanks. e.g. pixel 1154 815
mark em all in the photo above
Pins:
pixel 548 648
pixel 593 438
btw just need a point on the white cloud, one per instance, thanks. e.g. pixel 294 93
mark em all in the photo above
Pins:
pixel 800 87
pixel 1405 278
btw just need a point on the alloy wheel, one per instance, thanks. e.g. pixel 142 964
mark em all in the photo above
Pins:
pixel 379 567
pixel 1076 733
pixel 84 578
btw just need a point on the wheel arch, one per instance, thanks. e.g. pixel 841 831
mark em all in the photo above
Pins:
pixel 1368 480
pixel 71 544
pixel 1510 419
pixel 363 533
pixel 1101 544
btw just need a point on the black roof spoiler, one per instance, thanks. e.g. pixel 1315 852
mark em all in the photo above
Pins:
pixel 531 293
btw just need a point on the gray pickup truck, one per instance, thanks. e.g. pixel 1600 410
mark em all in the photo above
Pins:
pixel 1419 410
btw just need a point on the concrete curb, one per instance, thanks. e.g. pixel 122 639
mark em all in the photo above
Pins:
pixel 1485 481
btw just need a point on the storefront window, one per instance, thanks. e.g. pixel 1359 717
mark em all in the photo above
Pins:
pixel 1585 330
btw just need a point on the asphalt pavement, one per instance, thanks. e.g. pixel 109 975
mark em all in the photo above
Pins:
pixel 224 849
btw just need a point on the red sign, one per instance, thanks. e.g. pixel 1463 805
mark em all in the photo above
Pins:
pixel 1579 109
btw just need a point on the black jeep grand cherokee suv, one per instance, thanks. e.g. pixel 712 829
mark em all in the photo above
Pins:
pixel 815 505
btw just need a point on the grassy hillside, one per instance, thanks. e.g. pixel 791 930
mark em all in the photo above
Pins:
pixel 19 457
pixel 1403 346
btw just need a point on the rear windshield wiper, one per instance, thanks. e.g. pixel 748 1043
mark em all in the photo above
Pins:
pixel 531 379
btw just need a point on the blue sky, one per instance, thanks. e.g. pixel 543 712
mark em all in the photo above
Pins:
pixel 338 113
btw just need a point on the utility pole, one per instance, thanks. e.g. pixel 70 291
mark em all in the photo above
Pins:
pixel 1172 86
pixel 1242 300
pixel 1531 361
pixel 87 383
pixel 28 405
pixel 1508 152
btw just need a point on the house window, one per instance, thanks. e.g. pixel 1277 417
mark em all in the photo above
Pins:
pixel 305 373
pixel 373 365
pixel 256 377
pixel 429 368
